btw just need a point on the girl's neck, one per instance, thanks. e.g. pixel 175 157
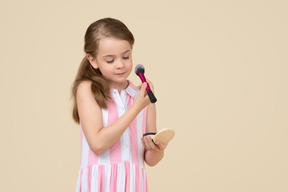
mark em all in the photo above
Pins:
pixel 119 87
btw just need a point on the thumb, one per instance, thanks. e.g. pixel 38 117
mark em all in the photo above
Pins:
pixel 143 88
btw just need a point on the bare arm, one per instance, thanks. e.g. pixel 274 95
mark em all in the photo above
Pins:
pixel 153 153
pixel 99 139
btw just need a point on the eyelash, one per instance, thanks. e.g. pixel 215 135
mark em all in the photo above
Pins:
pixel 111 61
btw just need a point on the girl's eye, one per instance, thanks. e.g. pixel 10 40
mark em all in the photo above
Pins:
pixel 110 61
pixel 126 57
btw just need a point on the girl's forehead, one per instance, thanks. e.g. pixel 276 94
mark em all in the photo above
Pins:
pixel 113 46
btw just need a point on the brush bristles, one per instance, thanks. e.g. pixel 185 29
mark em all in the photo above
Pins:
pixel 139 69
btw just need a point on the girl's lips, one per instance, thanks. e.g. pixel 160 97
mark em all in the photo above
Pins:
pixel 120 74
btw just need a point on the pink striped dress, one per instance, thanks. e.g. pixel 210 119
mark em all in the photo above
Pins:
pixel 120 168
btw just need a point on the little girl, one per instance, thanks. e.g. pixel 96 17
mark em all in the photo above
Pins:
pixel 113 114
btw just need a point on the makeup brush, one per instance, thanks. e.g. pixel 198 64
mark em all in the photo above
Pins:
pixel 139 70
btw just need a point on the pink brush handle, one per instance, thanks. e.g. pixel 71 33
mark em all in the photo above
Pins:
pixel 143 79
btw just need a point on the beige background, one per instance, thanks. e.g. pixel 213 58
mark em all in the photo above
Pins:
pixel 220 75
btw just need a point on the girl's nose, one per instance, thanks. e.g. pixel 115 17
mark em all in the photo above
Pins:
pixel 120 64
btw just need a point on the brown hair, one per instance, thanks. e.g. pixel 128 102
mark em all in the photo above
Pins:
pixel 102 28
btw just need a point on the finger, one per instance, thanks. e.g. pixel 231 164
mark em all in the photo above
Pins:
pixel 143 143
pixel 146 142
pixel 143 88
pixel 161 145
pixel 150 144
pixel 150 85
pixel 149 82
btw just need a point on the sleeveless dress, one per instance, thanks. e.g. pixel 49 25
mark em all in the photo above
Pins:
pixel 121 167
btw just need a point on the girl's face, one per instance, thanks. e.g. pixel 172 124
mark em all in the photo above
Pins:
pixel 114 60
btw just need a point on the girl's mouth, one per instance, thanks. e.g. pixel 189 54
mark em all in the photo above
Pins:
pixel 120 74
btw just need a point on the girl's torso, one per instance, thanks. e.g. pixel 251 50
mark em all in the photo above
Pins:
pixel 122 166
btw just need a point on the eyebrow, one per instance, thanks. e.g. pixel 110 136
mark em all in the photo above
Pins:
pixel 113 55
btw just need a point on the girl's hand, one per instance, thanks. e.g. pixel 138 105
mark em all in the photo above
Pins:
pixel 143 100
pixel 150 85
pixel 150 146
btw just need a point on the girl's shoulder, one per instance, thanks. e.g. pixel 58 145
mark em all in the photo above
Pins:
pixel 84 87
pixel 85 84
pixel 84 96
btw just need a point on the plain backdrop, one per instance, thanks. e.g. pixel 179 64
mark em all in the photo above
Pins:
pixel 220 74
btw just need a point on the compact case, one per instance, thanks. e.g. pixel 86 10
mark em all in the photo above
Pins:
pixel 164 136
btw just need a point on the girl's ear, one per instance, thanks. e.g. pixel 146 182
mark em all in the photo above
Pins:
pixel 92 61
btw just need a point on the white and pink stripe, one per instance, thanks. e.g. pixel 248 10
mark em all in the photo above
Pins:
pixel 120 168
